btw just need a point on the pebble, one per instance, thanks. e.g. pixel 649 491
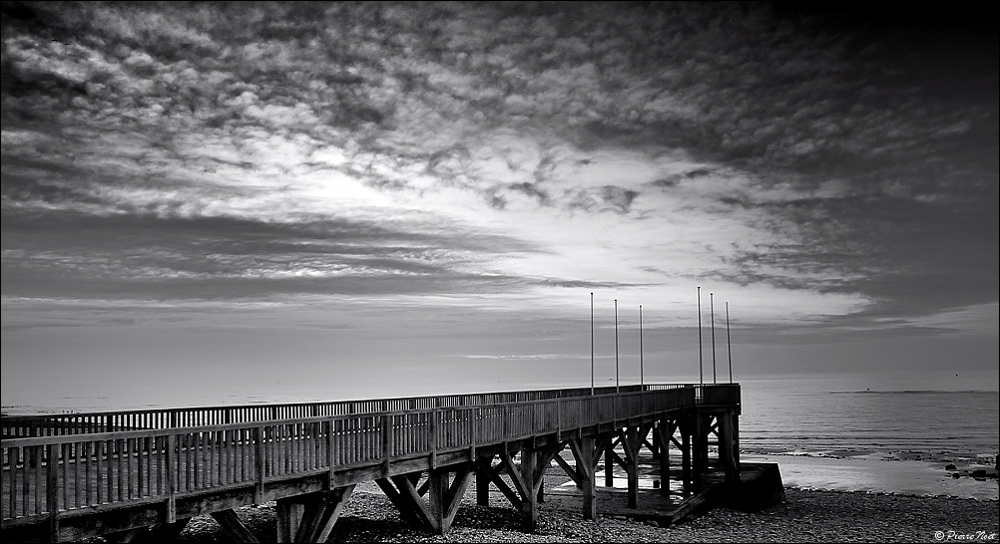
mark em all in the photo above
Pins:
pixel 805 516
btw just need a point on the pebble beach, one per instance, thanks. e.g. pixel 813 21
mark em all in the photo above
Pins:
pixel 804 516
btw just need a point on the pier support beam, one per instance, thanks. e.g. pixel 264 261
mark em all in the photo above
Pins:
pixel 402 493
pixel 233 526
pixel 444 495
pixel 483 481
pixel 310 517
pixel 586 455
pixel 644 439
pixel 686 457
pixel 609 464
pixel 532 474
pixel 630 444
pixel 727 453
pixel 700 448
pixel 529 493
pixel 655 447
pixel 526 478
pixel 167 532
pixel 584 452
pixel 493 474
pixel 663 435
pixel 736 436
pixel 164 532
pixel 713 427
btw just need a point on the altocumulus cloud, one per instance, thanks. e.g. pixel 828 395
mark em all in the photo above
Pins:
pixel 229 151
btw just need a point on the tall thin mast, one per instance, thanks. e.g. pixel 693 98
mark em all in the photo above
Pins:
pixel 642 382
pixel 617 379
pixel 711 301
pixel 729 343
pixel 591 343
pixel 701 357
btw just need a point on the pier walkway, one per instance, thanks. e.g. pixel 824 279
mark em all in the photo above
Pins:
pixel 144 473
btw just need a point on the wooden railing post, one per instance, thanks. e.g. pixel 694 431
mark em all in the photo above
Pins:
pixel 558 420
pixel 258 462
pixel 386 443
pixel 331 459
pixel 171 478
pixel 615 403
pixel 52 489
pixel 474 431
pixel 433 433
pixel 506 420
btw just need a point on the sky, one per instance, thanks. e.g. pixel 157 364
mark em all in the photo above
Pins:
pixel 214 202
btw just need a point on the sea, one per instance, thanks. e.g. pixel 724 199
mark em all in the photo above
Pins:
pixel 904 433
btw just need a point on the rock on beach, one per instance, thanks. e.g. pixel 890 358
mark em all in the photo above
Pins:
pixel 805 516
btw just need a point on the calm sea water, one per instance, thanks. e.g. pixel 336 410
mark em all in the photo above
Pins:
pixel 915 415
pixel 878 433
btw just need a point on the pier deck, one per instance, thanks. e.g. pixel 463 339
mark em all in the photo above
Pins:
pixel 117 474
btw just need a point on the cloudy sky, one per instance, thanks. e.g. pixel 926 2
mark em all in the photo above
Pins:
pixel 324 198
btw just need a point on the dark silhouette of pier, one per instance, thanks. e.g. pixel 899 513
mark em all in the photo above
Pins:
pixel 122 474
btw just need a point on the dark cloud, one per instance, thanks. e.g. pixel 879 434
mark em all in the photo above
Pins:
pixel 224 258
pixel 530 189
pixel 556 282
pixel 907 256
pixel 618 198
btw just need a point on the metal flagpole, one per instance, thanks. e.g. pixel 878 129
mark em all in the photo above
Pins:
pixel 592 343
pixel 701 357
pixel 729 343
pixel 617 380
pixel 711 302
pixel 642 382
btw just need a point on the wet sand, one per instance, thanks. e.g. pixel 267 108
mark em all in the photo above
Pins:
pixel 882 474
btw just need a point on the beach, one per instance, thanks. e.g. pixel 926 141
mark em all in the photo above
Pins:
pixel 804 516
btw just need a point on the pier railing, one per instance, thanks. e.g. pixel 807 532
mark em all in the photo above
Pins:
pixel 78 474
pixel 172 418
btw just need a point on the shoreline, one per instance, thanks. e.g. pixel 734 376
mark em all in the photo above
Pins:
pixel 884 475
pixel 804 516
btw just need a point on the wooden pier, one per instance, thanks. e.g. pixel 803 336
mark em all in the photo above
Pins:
pixel 122 475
